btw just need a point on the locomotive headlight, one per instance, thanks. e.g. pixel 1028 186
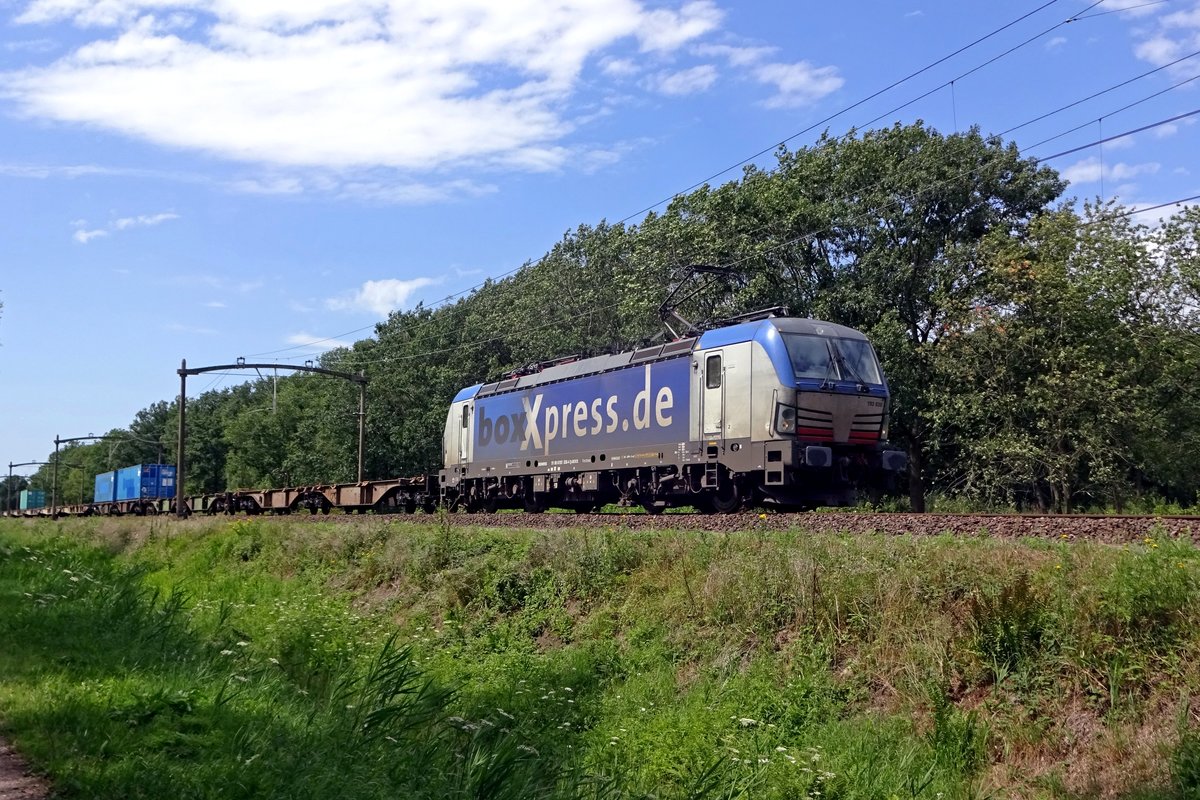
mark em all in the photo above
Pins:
pixel 883 431
pixel 785 419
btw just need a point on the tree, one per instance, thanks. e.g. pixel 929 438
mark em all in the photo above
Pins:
pixel 910 208
pixel 1069 386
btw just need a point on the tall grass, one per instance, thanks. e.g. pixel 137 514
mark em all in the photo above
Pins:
pixel 260 658
pixel 121 689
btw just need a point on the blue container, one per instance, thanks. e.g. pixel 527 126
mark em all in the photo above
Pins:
pixel 146 482
pixel 106 487
pixel 32 498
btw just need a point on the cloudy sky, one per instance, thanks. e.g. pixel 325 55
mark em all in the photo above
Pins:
pixel 205 179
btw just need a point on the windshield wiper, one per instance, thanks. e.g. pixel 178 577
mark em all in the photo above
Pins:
pixel 830 365
pixel 847 368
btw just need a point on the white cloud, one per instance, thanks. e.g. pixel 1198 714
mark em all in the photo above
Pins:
pixel 1159 50
pixel 341 84
pixel 145 220
pixel 414 193
pixel 177 327
pixel 275 185
pixel 798 84
pixel 214 304
pixel 1153 217
pixel 619 67
pixel 31 46
pixel 688 81
pixel 664 29
pixel 1132 8
pixel 1056 42
pixel 1189 18
pixel 304 339
pixel 1168 37
pixel 379 297
pixel 736 56
pixel 1090 170
pixel 83 235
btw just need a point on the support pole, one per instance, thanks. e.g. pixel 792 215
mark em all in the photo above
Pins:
pixel 362 417
pixel 8 492
pixel 180 508
pixel 54 503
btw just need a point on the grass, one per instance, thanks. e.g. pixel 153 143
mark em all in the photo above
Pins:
pixel 268 658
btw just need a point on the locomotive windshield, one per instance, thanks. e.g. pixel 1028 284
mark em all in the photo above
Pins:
pixel 827 358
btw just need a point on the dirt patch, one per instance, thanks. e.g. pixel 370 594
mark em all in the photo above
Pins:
pixel 16 781
pixel 1086 756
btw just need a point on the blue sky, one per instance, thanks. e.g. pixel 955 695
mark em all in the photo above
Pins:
pixel 205 179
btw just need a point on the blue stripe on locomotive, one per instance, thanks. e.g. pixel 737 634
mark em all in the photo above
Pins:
pixel 645 405
pixel 771 340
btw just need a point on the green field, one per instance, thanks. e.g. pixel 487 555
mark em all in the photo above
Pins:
pixel 382 659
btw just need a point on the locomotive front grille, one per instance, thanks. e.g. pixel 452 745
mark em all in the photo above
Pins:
pixel 833 418
pixel 814 424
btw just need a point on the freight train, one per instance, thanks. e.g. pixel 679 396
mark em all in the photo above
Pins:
pixel 776 411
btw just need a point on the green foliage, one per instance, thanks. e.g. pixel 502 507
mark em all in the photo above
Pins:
pixel 1185 765
pixel 1038 357
pixel 1009 625
pixel 124 690
pixel 223 659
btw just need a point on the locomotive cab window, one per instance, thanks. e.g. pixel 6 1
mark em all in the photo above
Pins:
pixel 859 360
pixel 811 356
pixel 712 372
pixel 466 415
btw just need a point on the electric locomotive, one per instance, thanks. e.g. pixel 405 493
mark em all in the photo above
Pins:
pixel 780 411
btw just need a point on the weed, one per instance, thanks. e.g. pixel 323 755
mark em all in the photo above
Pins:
pixel 1185 765
pixel 1008 626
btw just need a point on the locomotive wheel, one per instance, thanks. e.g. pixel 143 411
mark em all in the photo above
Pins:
pixel 652 509
pixel 482 505
pixel 727 499
pixel 534 504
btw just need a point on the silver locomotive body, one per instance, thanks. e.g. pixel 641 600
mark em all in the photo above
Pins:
pixel 791 412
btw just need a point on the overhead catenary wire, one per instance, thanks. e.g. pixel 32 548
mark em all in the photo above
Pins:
pixel 1122 9
pixel 848 108
pixel 597 309
pixel 977 67
pixel 1081 15
pixel 802 237
pixel 1122 135
pixel 1102 92
pixel 787 243
pixel 742 162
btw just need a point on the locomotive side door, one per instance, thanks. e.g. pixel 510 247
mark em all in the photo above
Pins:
pixel 712 390
pixel 464 434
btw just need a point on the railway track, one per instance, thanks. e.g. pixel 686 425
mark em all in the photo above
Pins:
pixel 1116 529
pixel 1063 527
